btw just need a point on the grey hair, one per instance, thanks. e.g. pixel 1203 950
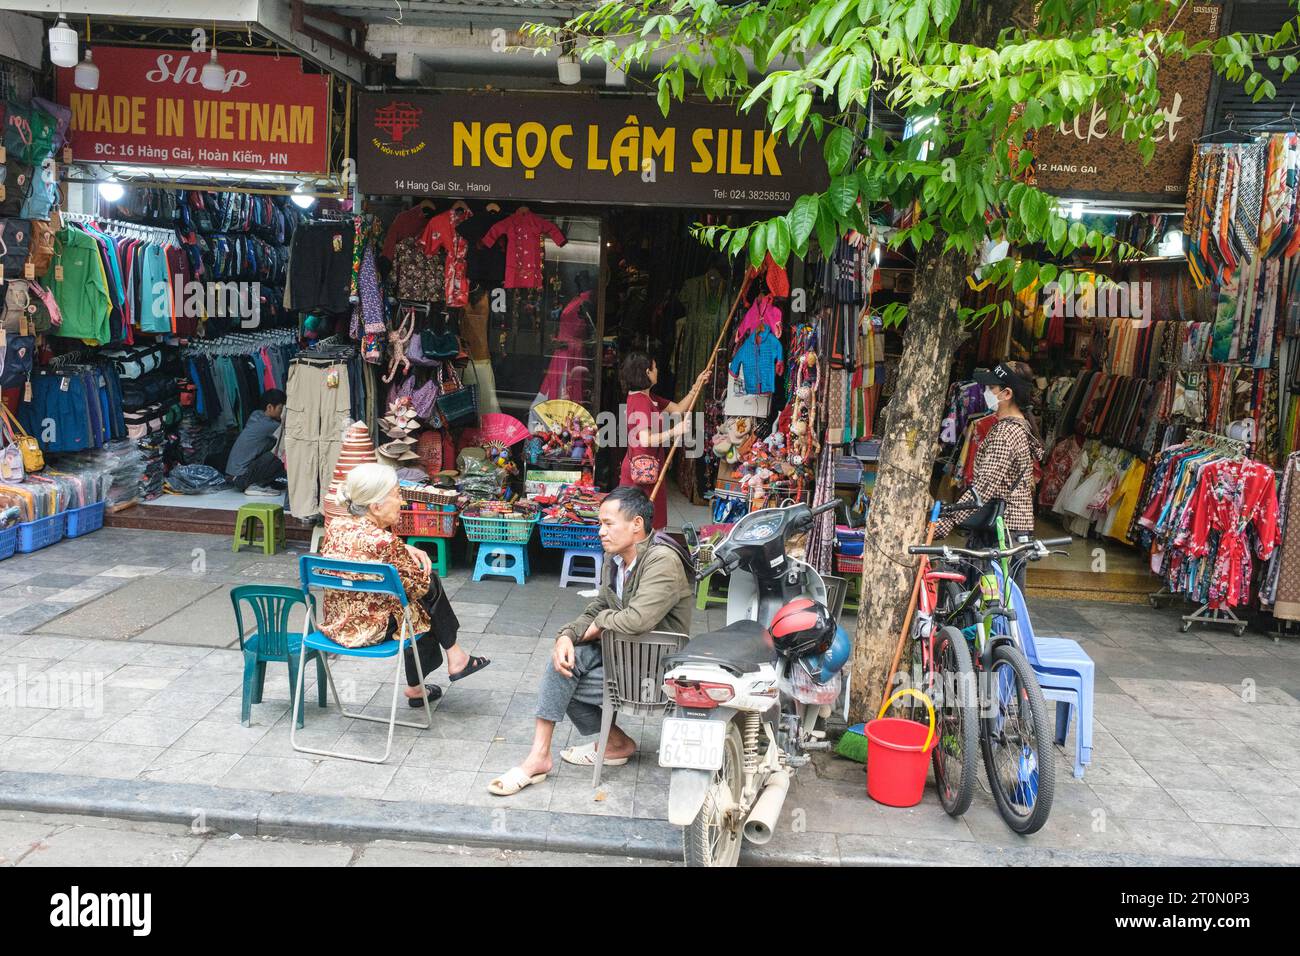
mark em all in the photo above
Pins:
pixel 366 485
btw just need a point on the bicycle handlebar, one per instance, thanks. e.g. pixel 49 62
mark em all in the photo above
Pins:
pixel 987 554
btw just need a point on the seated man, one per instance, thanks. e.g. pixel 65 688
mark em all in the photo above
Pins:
pixel 644 588
pixel 253 466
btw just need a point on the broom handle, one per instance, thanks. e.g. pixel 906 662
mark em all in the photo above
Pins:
pixel 744 287
pixel 911 608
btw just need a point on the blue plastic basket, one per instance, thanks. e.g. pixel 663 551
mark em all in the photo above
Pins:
pixel 85 520
pixel 41 533
pixel 8 542
pixel 585 537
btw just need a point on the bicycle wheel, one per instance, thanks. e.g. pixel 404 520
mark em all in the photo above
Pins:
pixel 1017 742
pixel 956 706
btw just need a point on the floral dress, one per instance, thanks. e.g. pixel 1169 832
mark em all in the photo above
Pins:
pixel 356 620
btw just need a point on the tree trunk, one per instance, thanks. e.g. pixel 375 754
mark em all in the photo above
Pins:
pixel 901 499
pixel 899 503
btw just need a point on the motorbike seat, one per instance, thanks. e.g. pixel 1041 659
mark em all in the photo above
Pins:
pixel 741 647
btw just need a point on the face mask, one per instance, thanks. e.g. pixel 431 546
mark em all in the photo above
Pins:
pixel 990 399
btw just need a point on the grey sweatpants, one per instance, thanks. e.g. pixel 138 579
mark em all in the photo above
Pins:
pixel 579 696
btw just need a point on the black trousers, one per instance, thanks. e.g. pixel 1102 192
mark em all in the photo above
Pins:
pixel 265 468
pixel 442 634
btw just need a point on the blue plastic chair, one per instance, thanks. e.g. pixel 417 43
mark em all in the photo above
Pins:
pixel 366 577
pixel 271 640
pixel 1067 676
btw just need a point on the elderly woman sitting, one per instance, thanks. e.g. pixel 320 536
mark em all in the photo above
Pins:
pixel 373 501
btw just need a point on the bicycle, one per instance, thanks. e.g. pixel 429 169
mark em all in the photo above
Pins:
pixel 1015 737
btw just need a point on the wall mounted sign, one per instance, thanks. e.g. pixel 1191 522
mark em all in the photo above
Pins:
pixel 1088 159
pixel 576 148
pixel 150 110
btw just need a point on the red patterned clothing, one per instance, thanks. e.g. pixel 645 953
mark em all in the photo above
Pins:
pixel 355 620
pixel 1057 469
pixel 441 234
pixel 1231 495
pixel 524 232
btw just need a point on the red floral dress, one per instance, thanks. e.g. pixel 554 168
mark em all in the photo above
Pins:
pixel 356 620
pixel 441 235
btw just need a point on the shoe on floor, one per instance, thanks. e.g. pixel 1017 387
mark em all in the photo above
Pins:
pixel 261 491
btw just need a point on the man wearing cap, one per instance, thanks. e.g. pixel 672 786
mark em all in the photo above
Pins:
pixel 1007 460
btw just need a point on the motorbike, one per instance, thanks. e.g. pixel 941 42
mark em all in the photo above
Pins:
pixel 747 703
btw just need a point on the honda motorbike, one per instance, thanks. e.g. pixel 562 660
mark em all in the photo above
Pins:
pixel 747 702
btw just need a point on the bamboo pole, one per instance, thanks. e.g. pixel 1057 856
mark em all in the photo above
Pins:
pixel 911 609
pixel 668 459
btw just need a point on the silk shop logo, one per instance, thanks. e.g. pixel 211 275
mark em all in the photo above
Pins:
pixel 397 119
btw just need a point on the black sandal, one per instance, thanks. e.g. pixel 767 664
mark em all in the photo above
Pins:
pixel 434 692
pixel 475 664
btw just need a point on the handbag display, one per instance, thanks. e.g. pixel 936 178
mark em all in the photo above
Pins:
pixel 11 456
pixel 29 449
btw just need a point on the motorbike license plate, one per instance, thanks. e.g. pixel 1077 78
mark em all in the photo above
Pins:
pixel 692 744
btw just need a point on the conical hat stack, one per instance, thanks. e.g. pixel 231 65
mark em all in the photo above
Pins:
pixel 357 449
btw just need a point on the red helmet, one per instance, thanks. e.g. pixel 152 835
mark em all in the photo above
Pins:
pixel 802 627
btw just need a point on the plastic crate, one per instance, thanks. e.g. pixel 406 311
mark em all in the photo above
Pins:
pixel 585 537
pixel 8 542
pixel 434 523
pixel 498 530
pixel 848 563
pixel 41 533
pixel 85 520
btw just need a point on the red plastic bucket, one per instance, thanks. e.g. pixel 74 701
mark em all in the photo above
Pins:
pixel 898 755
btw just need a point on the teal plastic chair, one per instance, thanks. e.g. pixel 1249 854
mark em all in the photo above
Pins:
pixel 272 640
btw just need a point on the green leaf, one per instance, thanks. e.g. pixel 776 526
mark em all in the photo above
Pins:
pixel 838 149
pixel 664 97
pixel 738 240
pixel 841 193
pixel 915 20
pixel 757 245
pixel 826 231
pixel 803 217
pixel 778 240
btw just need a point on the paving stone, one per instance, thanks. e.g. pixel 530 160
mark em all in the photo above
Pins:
pixel 223 735
pixel 1217 806
pixel 274 774
pixel 72 724
pixel 1184 776
pixel 427 785
pixel 1252 844
pixel 189 766
pixel 101 759
pixel 271 853
pixel 71 847
pixel 150 730
pixel 1138 803
pixel 1281 810
pixel 36 753
pixel 450 754
pixel 350 778
pixel 130 610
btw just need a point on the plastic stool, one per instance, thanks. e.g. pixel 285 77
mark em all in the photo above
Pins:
pixel 853 593
pixel 500 559
pixel 439 545
pixel 703 598
pixel 570 575
pixel 272 520
pixel 317 536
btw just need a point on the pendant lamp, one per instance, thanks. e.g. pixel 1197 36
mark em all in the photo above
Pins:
pixel 213 76
pixel 63 44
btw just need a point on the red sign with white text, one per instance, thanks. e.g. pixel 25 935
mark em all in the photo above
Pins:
pixel 150 109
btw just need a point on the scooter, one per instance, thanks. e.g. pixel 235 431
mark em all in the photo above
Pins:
pixel 746 713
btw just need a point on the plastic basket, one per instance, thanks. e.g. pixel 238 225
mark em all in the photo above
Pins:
pixel 585 537
pixel 848 563
pixel 8 542
pixel 41 533
pixel 427 524
pixel 431 496
pixel 85 520
pixel 498 530
pixel 459 406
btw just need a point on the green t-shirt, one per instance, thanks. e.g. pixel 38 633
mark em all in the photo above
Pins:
pixel 82 293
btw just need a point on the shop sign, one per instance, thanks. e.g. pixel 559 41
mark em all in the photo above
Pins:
pixel 150 110
pixel 578 149
pixel 1088 158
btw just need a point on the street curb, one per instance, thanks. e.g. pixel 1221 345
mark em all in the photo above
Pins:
pixel 345 819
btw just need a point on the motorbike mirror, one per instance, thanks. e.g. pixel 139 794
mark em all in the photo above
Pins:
pixel 691 536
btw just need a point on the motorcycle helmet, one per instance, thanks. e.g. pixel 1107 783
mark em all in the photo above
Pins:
pixel 823 667
pixel 802 627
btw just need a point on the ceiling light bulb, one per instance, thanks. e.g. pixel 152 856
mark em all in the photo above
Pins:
pixel 570 69
pixel 213 76
pixel 86 75
pixel 301 199
pixel 63 44
pixel 111 190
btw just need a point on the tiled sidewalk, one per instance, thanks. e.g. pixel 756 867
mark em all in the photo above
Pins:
pixel 120 646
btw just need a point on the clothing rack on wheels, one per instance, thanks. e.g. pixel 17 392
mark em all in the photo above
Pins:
pixel 1206 614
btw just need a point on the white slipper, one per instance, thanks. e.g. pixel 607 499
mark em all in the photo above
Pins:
pixel 512 781
pixel 585 756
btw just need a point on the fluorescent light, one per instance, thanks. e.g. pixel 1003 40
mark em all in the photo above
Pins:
pixel 301 199
pixel 1076 210
pixel 63 44
pixel 111 190
pixel 213 76
pixel 86 75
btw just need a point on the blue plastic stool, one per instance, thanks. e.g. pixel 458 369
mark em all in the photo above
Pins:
pixel 571 575
pixel 499 559
pixel 1067 676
